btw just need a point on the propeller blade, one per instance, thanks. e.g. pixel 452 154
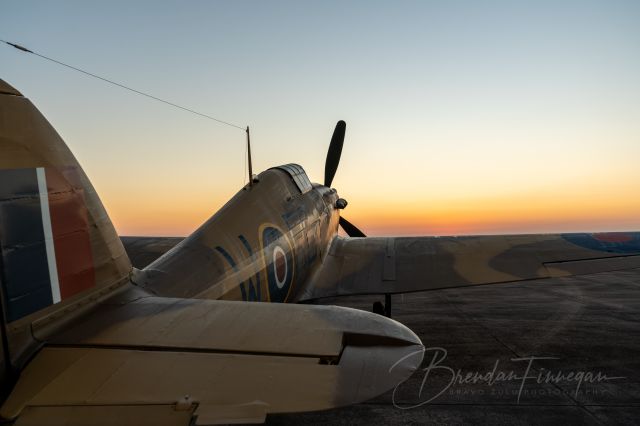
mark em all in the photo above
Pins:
pixel 333 156
pixel 350 228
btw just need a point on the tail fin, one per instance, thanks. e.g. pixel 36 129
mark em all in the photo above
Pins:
pixel 56 240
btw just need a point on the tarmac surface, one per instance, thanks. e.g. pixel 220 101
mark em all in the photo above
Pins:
pixel 553 351
pixel 585 325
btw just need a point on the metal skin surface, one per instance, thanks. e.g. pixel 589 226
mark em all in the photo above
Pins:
pixel 388 265
pixel 229 256
pixel 408 264
pixel 157 350
pixel 89 340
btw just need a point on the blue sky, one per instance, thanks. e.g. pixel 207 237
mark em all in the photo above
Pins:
pixel 450 106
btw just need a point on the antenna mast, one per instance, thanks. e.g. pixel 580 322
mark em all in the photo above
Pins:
pixel 249 155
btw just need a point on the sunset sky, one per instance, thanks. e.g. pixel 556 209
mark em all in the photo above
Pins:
pixel 463 117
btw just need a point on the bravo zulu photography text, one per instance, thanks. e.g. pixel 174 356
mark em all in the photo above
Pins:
pixel 438 378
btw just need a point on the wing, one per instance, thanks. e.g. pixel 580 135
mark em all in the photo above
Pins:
pixel 138 359
pixel 398 265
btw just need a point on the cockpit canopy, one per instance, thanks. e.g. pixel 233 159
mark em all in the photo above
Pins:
pixel 298 175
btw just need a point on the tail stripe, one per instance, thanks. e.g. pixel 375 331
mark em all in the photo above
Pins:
pixel 48 234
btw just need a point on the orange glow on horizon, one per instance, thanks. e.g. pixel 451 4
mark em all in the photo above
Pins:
pixel 160 216
pixel 525 212
pixel 533 212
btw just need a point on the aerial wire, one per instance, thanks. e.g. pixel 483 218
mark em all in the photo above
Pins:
pixel 24 49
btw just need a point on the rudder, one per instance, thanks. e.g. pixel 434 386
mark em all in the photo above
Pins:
pixel 56 241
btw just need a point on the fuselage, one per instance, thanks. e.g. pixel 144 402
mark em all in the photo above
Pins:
pixel 262 245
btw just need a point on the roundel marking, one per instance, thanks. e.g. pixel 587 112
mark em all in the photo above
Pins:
pixel 279 264
pixel 615 242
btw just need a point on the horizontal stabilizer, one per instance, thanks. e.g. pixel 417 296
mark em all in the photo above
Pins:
pixel 220 359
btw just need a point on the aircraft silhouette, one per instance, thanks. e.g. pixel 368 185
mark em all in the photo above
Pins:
pixel 89 339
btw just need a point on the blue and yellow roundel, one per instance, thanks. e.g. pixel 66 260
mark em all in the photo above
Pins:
pixel 279 262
